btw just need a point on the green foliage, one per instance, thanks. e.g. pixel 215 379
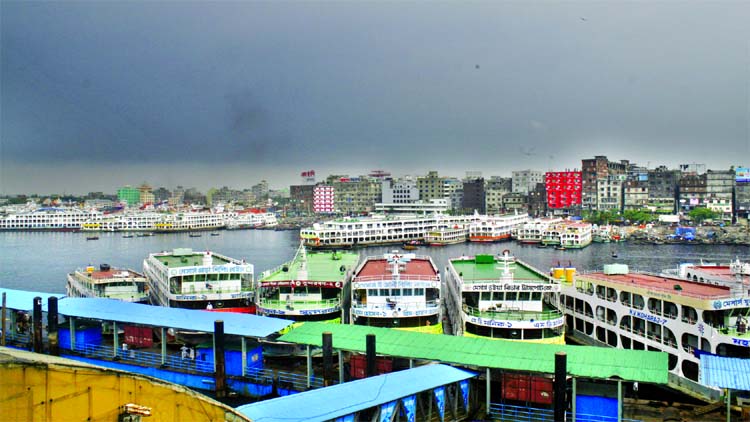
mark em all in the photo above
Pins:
pixel 700 214
pixel 639 216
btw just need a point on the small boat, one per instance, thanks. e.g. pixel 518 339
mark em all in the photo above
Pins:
pixel 194 235
pixel 560 248
pixel 408 247
pixel 614 254
pixel 148 234
pixel 92 237
pixel 127 236
pixel 214 234
pixel 541 246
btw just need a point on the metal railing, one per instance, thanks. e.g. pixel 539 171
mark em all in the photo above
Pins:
pixel 397 304
pixel 143 358
pixel 513 314
pixel 394 277
pixel 509 413
pixel 299 304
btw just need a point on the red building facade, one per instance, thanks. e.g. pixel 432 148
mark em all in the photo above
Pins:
pixel 563 189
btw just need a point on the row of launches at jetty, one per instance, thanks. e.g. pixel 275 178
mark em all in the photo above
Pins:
pixel 696 309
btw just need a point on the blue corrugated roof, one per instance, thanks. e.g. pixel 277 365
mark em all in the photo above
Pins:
pixel 344 399
pixel 187 319
pixel 723 372
pixel 23 300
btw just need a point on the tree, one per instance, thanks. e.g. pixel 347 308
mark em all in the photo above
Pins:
pixel 700 214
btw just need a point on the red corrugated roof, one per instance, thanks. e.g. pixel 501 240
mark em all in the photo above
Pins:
pixel 377 267
pixel 664 283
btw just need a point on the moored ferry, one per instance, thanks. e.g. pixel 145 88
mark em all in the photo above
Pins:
pixel 313 286
pixel 505 298
pixel 250 220
pixel 684 318
pixel 533 231
pixel 378 229
pixel 184 278
pixel 447 235
pixel 109 283
pixel 49 219
pixel 494 228
pixel 398 291
pixel 159 222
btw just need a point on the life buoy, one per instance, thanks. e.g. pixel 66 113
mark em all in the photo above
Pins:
pixel 506 252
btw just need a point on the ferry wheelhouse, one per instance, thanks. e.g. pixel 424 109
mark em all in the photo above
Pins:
pixel 378 230
pixel 107 282
pixel 184 278
pixel 533 231
pixel 503 297
pixel 313 286
pixel 684 318
pixel 397 291
pixel 494 228
pixel 447 235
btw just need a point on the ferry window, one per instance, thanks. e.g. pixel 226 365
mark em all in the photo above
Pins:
pixel 511 296
pixel 395 292
pixel 638 301
pixel 498 296
pixel 384 292
pixel 524 296
pixel 372 292
pixel 486 296
pixel 285 290
pixel 418 292
pixel 408 292
pixel 536 296
pixel 188 278
pixel 213 277
pixel 224 277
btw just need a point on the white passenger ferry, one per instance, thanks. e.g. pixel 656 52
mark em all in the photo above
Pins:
pixel 503 297
pixel 494 228
pixel 159 222
pixel 447 235
pixel 49 219
pixel 378 230
pixel 250 220
pixel 397 291
pixel 107 282
pixel 313 286
pixel 533 231
pixel 183 278
pixel 684 318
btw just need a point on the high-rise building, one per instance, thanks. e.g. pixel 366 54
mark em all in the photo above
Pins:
pixel 129 195
pixel 399 191
pixel 691 191
pixel 609 192
pixel 496 188
pixel 635 195
pixel 260 190
pixel 356 194
pixel 178 196
pixel 538 201
pixel 719 192
pixel 301 197
pixel 593 169
pixel 146 196
pixel 323 199
pixel 662 189
pixel 564 191
pixel 525 181
pixel 431 186
pixel 473 195
pixel 742 192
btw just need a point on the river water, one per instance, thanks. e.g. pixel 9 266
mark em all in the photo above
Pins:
pixel 40 261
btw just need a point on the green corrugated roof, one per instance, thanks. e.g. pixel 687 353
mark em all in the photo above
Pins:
pixel 583 361
pixel 471 271
pixel 320 267
pixel 191 260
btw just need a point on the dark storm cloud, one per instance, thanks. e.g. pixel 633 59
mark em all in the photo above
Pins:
pixel 345 87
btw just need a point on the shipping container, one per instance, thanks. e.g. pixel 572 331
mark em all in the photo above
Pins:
pixel 358 366
pixel 139 336
pixel 527 388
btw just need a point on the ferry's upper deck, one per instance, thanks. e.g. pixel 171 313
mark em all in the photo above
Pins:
pixel 674 286
pixel 107 274
pixel 410 267
pixel 487 268
pixel 188 258
pixel 324 266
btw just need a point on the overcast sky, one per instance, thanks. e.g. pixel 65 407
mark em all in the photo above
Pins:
pixel 97 95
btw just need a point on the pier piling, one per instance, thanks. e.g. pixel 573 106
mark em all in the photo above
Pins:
pixel 37 321
pixel 327 358
pixel 370 349
pixel 220 375
pixel 52 317
pixel 561 371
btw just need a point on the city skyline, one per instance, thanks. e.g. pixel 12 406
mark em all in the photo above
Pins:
pixel 98 95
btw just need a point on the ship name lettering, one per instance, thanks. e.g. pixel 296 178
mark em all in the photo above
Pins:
pixel 648 317
pixel 741 342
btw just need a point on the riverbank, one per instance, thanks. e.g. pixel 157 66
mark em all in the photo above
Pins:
pixel 707 235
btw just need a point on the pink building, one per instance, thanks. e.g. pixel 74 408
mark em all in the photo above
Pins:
pixel 323 199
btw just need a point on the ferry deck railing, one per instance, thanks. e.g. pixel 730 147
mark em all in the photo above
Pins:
pixel 400 277
pixel 144 358
pixel 593 275
pixel 510 413
pixel 513 314
pixel 299 304
pixel 397 304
